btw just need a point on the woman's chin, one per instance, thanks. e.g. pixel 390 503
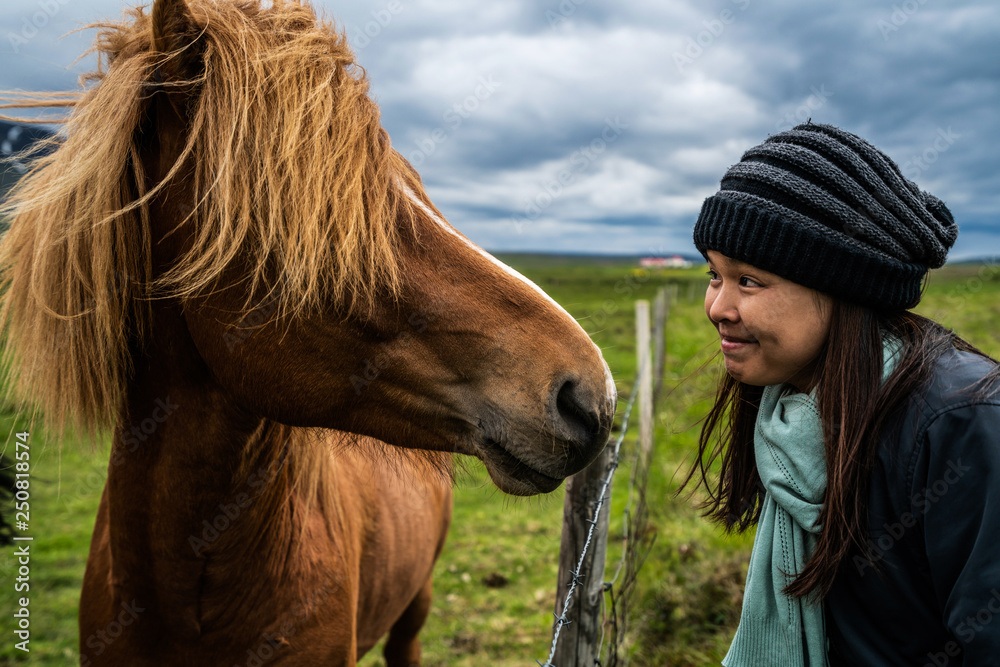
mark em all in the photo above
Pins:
pixel 736 370
pixel 739 372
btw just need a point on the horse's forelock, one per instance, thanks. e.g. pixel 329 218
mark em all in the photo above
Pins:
pixel 294 176
pixel 293 168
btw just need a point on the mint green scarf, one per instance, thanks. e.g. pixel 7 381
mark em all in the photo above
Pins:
pixel 777 630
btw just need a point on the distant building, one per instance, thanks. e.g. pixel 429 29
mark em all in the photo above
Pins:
pixel 674 262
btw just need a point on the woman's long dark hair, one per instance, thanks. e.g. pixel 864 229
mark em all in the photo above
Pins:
pixel 855 408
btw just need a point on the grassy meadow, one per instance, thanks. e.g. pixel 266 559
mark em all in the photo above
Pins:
pixel 495 584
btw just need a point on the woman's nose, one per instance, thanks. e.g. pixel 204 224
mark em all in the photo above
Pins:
pixel 720 305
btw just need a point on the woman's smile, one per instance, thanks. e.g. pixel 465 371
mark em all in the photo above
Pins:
pixel 732 344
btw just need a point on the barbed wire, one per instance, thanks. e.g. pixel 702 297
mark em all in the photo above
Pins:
pixel 625 518
pixel 635 538
pixel 576 577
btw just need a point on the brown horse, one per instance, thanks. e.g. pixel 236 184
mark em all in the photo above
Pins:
pixel 225 260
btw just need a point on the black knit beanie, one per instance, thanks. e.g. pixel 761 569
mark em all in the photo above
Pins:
pixel 826 209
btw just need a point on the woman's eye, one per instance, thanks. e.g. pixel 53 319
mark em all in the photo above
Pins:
pixel 712 275
pixel 747 281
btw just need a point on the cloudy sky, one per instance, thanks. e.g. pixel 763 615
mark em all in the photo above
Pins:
pixel 600 126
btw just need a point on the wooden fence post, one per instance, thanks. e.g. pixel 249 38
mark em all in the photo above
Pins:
pixel 661 307
pixel 638 538
pixel 645 375
pixel 579 642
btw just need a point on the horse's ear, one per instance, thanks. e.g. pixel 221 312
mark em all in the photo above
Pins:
pixel 175 34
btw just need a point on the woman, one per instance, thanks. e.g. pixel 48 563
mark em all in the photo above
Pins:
pixel 861 439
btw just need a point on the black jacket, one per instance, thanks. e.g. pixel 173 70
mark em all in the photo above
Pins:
pixel 934 512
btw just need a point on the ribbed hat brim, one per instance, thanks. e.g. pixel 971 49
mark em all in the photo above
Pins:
pixel 805 254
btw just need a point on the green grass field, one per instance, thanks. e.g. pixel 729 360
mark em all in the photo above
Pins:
pixel 690 588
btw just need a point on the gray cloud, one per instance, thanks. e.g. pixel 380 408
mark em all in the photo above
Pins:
pixel 505 105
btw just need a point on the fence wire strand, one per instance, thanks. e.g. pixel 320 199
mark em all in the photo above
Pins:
pixel 560 620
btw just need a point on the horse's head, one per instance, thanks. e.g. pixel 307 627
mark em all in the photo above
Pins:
pixel 318 283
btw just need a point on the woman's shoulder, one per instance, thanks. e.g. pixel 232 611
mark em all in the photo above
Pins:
pixel 958 380
pixel 953 412
pixel 954 417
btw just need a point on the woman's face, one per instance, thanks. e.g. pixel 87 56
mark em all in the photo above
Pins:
pixel 771 329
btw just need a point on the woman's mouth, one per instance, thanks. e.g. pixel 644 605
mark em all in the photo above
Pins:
pixel 735 343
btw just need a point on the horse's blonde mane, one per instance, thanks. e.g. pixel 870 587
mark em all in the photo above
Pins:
pixel 293 179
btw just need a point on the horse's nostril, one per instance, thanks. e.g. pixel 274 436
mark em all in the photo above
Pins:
pixel 577 414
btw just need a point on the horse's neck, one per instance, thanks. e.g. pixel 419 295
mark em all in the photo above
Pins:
pixel 183 460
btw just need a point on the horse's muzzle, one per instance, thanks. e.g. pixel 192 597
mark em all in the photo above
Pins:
pixel 582 419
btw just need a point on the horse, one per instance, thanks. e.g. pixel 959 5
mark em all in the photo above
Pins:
pixel 224 261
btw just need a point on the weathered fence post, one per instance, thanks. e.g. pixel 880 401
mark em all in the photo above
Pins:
pixel 638 540
pixel 580 639
pixel 645 375
pixel 577 643
pixel 661 308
